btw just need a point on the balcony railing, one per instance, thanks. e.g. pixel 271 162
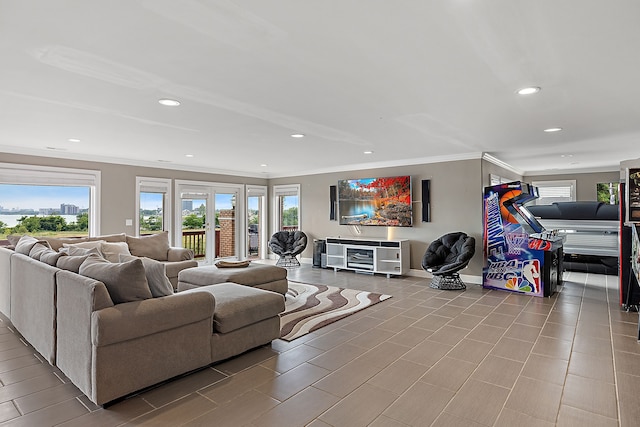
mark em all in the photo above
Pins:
pixel 196 241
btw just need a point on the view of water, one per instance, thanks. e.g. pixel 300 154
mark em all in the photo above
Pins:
pixel 12 220
pixel 356 207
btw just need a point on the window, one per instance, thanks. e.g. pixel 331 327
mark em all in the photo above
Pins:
pixel 555 191
pixel 286 207
pixel 607 192
pixel 153 204
pixel 49 201
pixel 497 179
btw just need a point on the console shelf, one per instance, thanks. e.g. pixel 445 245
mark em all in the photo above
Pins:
pixel 390 257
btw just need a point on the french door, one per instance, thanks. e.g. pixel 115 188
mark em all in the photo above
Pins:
pixel 256 222
pixel 211 219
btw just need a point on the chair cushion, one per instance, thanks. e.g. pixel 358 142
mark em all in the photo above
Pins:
pixel 449 253
pixel 288 243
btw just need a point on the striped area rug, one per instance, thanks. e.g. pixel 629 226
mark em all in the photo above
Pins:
pixel 310 307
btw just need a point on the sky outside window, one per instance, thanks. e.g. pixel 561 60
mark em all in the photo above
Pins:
pixel 17 196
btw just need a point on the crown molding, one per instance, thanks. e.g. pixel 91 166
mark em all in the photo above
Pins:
pixel 489 158
pixel 613 168
pixel 382 164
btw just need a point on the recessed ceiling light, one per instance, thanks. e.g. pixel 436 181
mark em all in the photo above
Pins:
pixel 188 155
pixel 264 165
pixel 566 155
pixel 528 90
pixel 368 152
pixel 169 102
pixel 553 130
pixel 297 135
pixel 73 140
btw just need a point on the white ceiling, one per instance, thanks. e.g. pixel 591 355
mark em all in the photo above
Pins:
pixel 414 81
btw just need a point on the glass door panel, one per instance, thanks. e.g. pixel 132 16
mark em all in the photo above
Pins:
pixel 210 223
pixel 226 225
pixel 254 231
pixel 195 226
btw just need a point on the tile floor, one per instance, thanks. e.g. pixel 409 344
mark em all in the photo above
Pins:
pixel 423 357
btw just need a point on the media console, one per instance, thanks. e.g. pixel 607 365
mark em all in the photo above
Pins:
pixel 390 257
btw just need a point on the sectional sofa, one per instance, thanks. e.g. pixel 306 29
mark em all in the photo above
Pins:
pixel 101 325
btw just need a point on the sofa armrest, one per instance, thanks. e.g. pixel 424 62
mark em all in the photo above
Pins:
pixel 179 254
pixel 137 319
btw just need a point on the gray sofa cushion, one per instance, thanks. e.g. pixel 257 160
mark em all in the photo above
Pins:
pixel 57 242
pixel 154 246
pixel 37 250
pixel 69 248
pixel 26 243
pixel 78 251
pixel 156 275
pixel 238 306
pixel 51 257
pixel 71 262
pixel 125 281
pixel 252 275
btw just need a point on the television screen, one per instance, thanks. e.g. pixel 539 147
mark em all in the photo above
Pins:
pixel 375 201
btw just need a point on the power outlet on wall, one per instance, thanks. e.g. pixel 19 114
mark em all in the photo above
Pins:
pixel 128 222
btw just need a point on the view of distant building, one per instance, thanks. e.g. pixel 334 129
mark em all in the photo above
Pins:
pixel 187 205
pixel 66 209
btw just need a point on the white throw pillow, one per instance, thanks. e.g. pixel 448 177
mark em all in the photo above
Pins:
pixel 156 273
pixel 94 245
pixel 112 250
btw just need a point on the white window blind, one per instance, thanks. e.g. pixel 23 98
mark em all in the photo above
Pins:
pixel 555 191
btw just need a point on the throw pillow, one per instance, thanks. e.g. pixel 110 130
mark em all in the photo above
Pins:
pixel 75 251
pixel 154 246
pixel 233 264
pixel 72 262
pixel 57 242
pixel 85 245
pixel 13 239
pixel 125 282
pixel 51 257
pixel 112 250
pixel 156 274
pixel 26 243
pixel 37 250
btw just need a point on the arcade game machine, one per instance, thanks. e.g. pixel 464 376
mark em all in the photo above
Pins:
pixel 520 255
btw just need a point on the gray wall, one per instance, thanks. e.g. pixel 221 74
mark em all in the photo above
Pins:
pixel 456 205
pixel 585 182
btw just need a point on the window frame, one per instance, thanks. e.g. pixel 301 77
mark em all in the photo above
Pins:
pixel 155 185
pixel 284 190
pixel 571 183
pixel 13 173
pixel 261 191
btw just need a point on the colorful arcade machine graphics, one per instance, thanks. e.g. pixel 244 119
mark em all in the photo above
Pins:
pixel 514 257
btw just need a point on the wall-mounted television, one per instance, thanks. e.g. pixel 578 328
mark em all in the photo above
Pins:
pixel 375 201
